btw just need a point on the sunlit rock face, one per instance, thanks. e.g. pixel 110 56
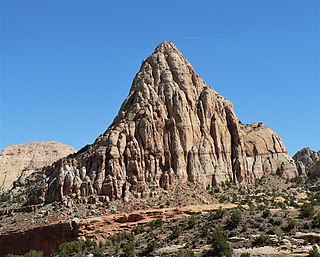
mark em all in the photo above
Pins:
pixel 172 128
pixel 19 161
pixel 308 162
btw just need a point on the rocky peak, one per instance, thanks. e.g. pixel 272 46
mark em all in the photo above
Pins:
pixel 308 161
pixel 172 128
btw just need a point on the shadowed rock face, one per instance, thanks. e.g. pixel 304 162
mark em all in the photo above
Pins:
pixel 172 128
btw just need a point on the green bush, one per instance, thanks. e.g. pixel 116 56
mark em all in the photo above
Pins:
pixel 175 233
pixel 121 236
pixel 70 248
pixel 262 240
pixel 266 213
pixel 218 214
pixel 314 252
pixel 150 247
pixel 306 210
pixel 32 253
pixel 129 250
pixel 245 255
pixel 234 220
pixel 291 224
pixel 219 243
pixel 276 221
pixel 138 229
pixel 278 232
pixel 192 221
pixel 205 230
pixel 156 223
pixel 316 221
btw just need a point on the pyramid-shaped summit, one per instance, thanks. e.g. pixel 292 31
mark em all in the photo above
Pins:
pixel 172 128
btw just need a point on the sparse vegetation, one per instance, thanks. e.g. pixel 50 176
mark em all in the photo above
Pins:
pixel 266 213
pixel 314 252
pixel 306 210
pixel 257 213
pixel 175 233
pixel 32 253
pixel 156 223
pixel 220 245
pixel 262 240
pixel 218 214
pixel 234 219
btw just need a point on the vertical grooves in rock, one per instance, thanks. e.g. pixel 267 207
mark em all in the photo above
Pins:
pixel 172 128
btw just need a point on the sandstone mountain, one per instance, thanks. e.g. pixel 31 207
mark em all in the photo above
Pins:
pixel 18 161
pixel 172 128
pixel 308 162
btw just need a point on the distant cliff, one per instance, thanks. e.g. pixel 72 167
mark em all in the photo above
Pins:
pixel 21 160
pixel 308 162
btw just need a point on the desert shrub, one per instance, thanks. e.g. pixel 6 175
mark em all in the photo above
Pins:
pixel 306 225
pixel 314 252
pixel 219 243
pixel 150 247
pixel 138 229
pixel 245 255
pixel 205 230
pixel 99 252
pixel 281 205
pixel 218 214
pixel 79 248
pixel 266 213
pixel 70 248
pixel 121 236
pixel 129 250
pixel 188 253
pixel 234 219
pixel 156 223
pixel 256 224
pixel 278 232
pixel 32 253
pixel 316 221
pixel 222 199
pixel 262 240
pixel 306 210
pixel 291 224
pixel 175 233
pixel 192 221
pixel 276 221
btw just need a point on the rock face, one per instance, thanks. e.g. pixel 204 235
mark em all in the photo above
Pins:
pixel 46 238
pixel 308 162
pixel 18 161
pixel 172 128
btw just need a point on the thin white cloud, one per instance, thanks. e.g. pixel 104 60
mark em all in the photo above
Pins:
pixel 211 38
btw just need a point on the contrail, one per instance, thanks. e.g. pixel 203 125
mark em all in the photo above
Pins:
pixel 211 38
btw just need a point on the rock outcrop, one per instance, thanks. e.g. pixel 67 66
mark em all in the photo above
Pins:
pixel 308 162
pixel 172 128
pixel 19 161
pixel 45 238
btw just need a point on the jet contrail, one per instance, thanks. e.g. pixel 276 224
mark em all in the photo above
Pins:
pixel 211 38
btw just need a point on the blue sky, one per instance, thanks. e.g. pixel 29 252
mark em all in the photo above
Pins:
pixel 67 65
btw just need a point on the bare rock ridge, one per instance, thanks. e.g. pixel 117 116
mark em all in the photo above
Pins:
pixel 308 162
pixel 172 128
pixel 21 160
